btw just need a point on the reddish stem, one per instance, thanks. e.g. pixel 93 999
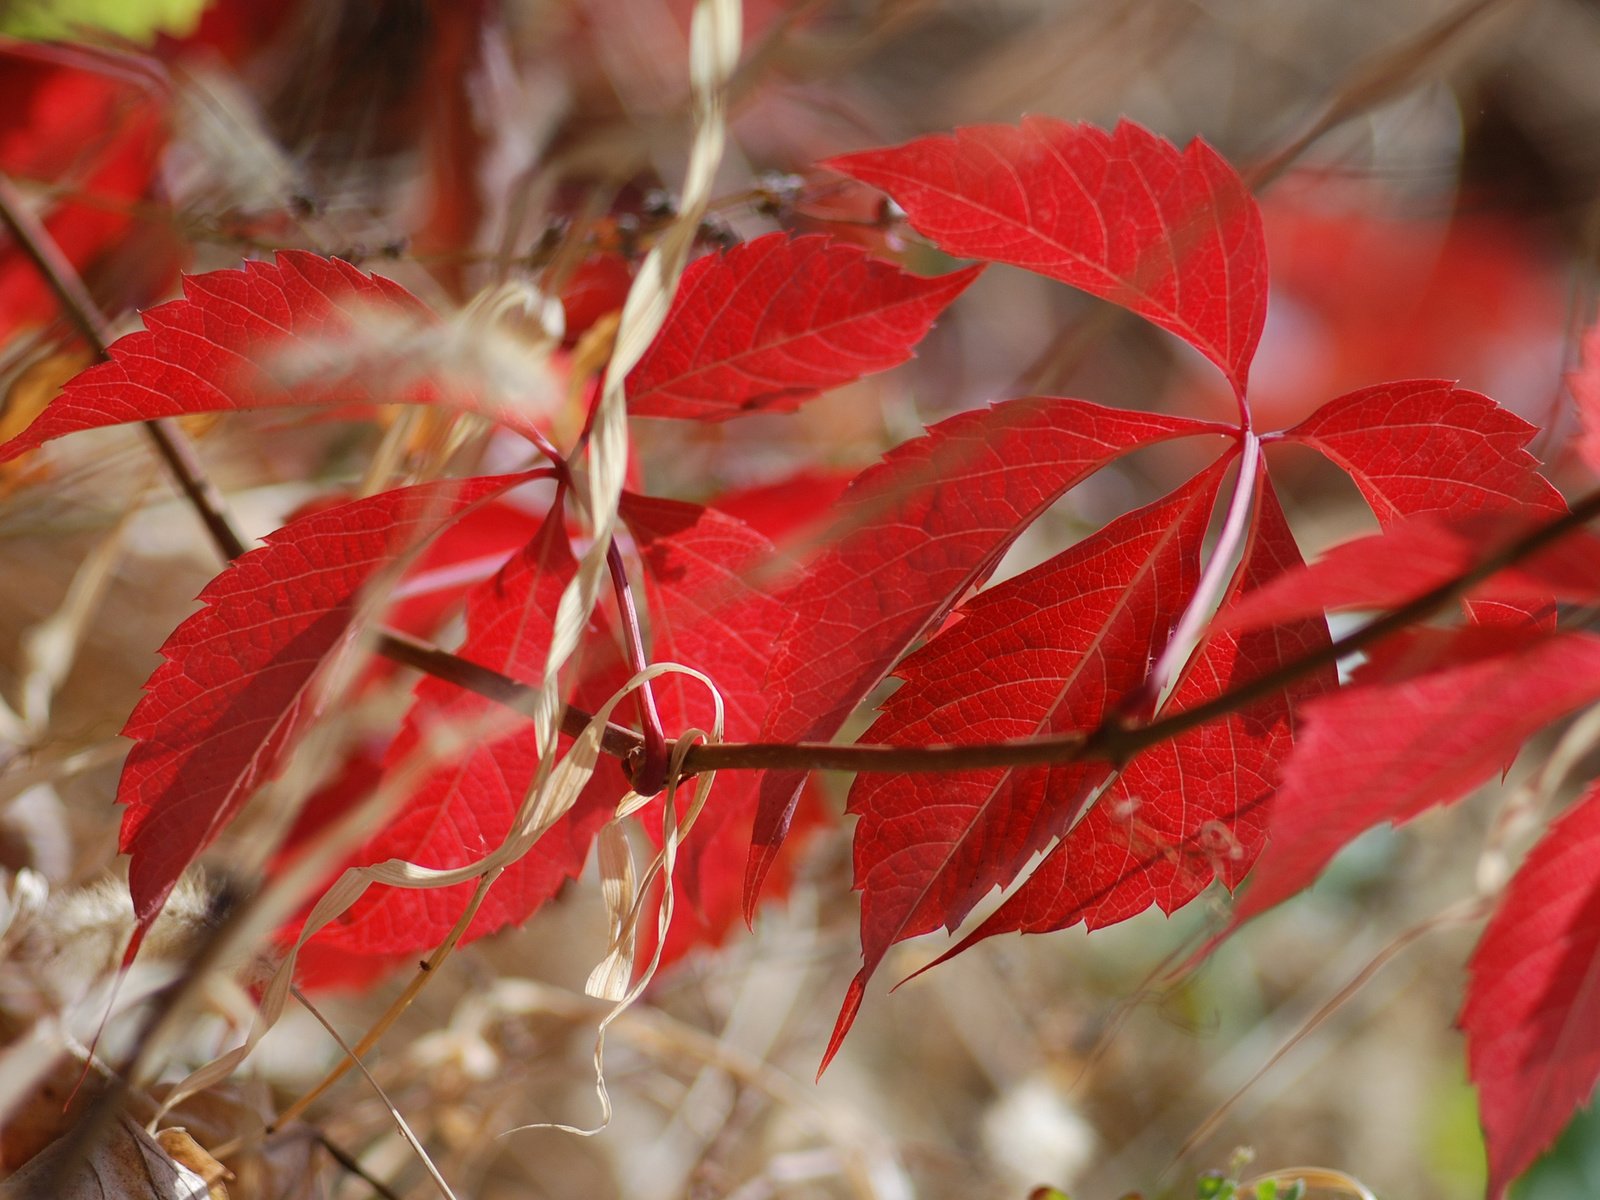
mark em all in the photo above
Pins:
pixel 647 770
pixel 1191 626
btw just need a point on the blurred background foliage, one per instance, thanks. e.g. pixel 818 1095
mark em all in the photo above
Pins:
pixel 1428 172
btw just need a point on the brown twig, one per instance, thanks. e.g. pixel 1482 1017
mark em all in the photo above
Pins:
pixel 37 245
pixel 1114 742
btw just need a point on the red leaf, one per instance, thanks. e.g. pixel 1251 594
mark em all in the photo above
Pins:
pixel 99 135
pixel 775 321
pixel 239 676
pixel 914 534
pixel 1391 749
pixel 226 345
pixel 465 555
pixel 1425 445
pixel 464 809
pixel 703 613
pixel 1533 1040
pixel 1193 808
pixel 1047 652
pixel 1175 237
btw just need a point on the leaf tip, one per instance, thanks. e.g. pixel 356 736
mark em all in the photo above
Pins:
pixel 847 1017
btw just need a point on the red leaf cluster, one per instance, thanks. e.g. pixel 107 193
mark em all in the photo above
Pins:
pixel 1244 747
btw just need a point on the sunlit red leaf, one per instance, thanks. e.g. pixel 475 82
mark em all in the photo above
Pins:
pixel 1533 1037
pixel 1426 445
pixel 1193 808
pixel 775 321
pixel 1050 651
pixel 466 554
pixel 266 336
pixel 1173 236
pixel 1390 749
pixel 239 677
pixel 914 533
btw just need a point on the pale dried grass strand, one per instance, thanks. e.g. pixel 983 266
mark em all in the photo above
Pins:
pixel 383 1098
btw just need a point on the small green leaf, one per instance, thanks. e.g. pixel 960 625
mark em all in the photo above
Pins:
pixel 136 20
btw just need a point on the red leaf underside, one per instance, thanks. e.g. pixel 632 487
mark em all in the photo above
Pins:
pixel 239 677
pixel 1050 651
pixel 1194 808
pixel 1173 236
pixel 774 322
pixel 1533 1041
pixel 914 533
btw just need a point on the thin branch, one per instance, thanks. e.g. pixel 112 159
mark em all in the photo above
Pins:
pixel 492 685
pixel 36 244
pixel 1113 741
pixel 651 774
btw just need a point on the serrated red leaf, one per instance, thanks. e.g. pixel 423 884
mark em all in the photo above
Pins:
pixel 774 322
pixel 463 809
pixel 1049 651
pixel 914 533
pixel 1416 554
pixel 703 612
pixel 1532 1013
pixel 1426 445
pixel 1173 236
pixel 1194 808
pixel 231 342
pixel 1391 749
pixel 239 676
pixel 463 556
